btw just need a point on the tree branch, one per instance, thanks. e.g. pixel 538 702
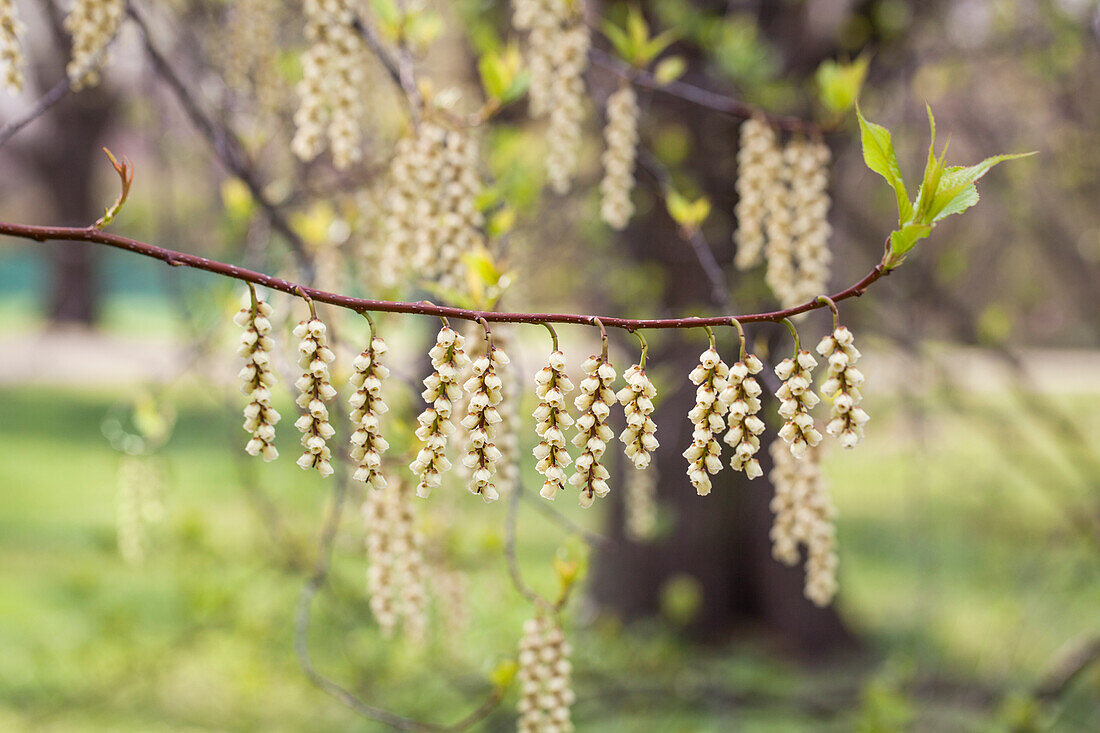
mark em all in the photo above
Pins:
pixel 424 308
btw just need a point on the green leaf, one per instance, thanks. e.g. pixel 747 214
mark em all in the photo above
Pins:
pixel 495 77
pixel 619 40
pixel 637 29
pixel 903 240
pixel 688 214
pixel 520 83
pixel 878 154
pixel 957 180
pixel 962 201
pixel 653 48
pixel 839 84
pixel 669 70
pixel 933 172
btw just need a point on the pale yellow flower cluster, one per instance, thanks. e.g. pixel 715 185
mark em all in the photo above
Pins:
pixel 796 399
pixel 11 48
pixel 315 390
pixel 485 388
pixel 842 387
pixel 332 87
pixel 639 438
pixel 257 378
pixel 92 24
pixel 367 408
pixel 783 212
pixel 138 504
pixel 621 136
pixel 804 515
pixel 641 504
pixel 441 389
pixel 551 420
pixel 248 48
pixel 395 561
pixel 557 55
pixel 742 394
pixel 758 160
pixel 431 218
pixel 704 455
pixel 593 433
pixel 544 677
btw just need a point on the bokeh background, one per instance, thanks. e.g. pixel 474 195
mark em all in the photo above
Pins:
pixel 149 572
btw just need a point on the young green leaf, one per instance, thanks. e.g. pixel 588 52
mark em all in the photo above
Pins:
pixel 902 241
pixel 669 70
pixel 619 40
pixel 688 214
pixel 878 154
pixel 956 182
pixel 839 84
pixel 933 172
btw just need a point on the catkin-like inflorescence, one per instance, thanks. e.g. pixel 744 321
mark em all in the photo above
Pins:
pixel 804 514
pixel 807 164
pixel 544 677
pixel 482 418
pixel 551 420
pixel 742 394
pixel 563 136
pixel 396 572
pixel 621 135
pixel 704 455
pixel 842 387
pixel 542 18
pixel 11 48
pixel 441 389
pixel 432 218
pixel 92 24
pixel 315 390
pixel 331 90
pixel 257 378
pixel 758 163
pixel 781 274
pixel 593 433
pixel 248 49
pixel 367 408
pixel 641 505
pixel 796 399
pixel 640 436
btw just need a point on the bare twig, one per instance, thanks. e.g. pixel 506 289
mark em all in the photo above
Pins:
pixel 359 305
pixel 227 147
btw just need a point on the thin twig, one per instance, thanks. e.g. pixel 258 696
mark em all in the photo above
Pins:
pixel 227 147
pixel 697 95
pixel 177 259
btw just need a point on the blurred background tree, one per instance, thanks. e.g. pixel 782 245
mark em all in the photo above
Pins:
pixel 1019 271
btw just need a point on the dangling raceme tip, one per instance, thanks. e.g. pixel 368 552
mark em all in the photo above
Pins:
pixel 704 455
pixel 314 356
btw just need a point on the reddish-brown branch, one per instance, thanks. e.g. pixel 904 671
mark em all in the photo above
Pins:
pixel 360 305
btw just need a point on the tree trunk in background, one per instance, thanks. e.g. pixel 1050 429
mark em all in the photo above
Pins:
pixel 722 540
pixel 65 156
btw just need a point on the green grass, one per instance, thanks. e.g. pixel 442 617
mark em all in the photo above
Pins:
pixel 956 565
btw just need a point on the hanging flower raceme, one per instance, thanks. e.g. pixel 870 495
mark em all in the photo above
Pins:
pixel 331 89
pixel 621 135
pixel 396 571
pixel 641 505
pixel 441 389
pixel 552 418
pixel 544 677
pixel 482 418
pixel 804 514
pixel 563 136
pixel 640 436
pixel 742 394
pixel 316 390
pixel 758 163
pixel 781 274
pixel 11 48
pixel 367 408
pixel 796 399
pixel 808 164
pixel 594 406
pixel 92 23
pixel 257 378
pixel 842 387
pixel 704 455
